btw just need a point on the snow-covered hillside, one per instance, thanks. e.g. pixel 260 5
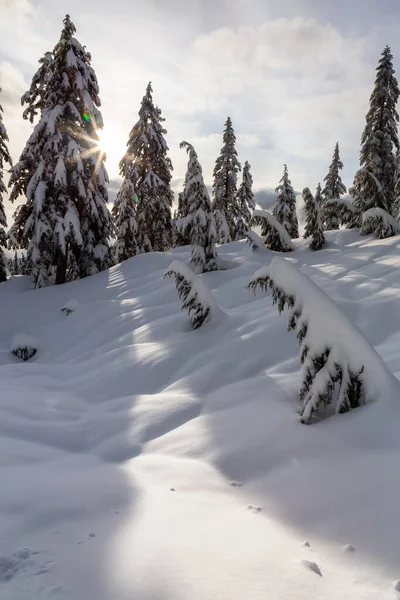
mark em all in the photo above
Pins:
pixel 141 459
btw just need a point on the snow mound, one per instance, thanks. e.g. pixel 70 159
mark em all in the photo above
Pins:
pixel 339 365
pixel 196 297
pixel 24 346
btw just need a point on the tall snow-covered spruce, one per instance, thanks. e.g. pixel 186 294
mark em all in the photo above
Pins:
pixel 199 224
pixel 151 177
pixel 124 213
pixel 30 158
pixel 226 169
pixel 62 173
pixel 333 189
pixel 245 203
pixel 314 227
pixel 4 158
pixel 181 237
pixel 374 183
pixel 285 205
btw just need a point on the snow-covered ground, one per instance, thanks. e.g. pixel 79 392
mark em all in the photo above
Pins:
pixel 142 460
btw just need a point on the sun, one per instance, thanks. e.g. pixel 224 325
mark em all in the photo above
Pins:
pixel 113 145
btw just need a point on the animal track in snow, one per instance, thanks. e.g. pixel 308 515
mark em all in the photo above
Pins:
pixel 236 484
pixel 311 566
pixel 254 509
pixel 10 565
pixel 397 585
pixel 306 544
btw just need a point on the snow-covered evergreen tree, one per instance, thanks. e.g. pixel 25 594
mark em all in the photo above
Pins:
pixel 147 151
pixel 199 224
pixel 314 227
pixel 67 223
pixel 245 203
pixel 5 158
pixel 30 158
pixel 334 188
pixel 16 264
pixel 181 237
pixel 226 169
pixel 125 219
pixel 374 183
pixel 318 195
pixel 285 205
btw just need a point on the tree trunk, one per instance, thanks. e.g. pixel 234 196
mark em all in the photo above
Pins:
pixel 61 273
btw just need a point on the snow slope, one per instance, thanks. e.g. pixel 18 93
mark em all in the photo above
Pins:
pixel 141 459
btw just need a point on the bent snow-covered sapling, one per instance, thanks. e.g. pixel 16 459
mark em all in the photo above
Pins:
pixel 196 297
pixel 339 365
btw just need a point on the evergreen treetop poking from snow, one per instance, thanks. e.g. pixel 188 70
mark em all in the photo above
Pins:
pixel 378 142
pixel 285 205
pixel 314 227
pixel 334 188
pixel 151 177
pixel 380 223
pixel 126 229
pixel 225 173
pixel 65 223
pixel 339 365
pixel 318 195
pixel 5 158
pixel 196 297
pixel 198 224
pixel 245 203
pixel 275 235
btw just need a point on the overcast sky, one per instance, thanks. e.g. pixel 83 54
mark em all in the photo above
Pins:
pixel 294 75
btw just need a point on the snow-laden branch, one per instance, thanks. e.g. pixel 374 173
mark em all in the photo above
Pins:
pixel 196 297
pixel 339 365
pixel 275 235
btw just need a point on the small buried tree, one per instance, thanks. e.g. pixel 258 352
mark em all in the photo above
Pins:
pixel 196 297
pixel 339 365
pixel 255 242
pixel 275 235
pixel 379 222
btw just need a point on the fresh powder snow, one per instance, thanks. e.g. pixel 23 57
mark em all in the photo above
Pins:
pixel 142 459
